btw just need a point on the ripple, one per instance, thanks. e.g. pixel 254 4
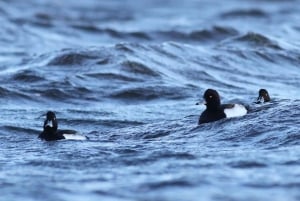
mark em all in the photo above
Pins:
pixel 28 76
pixel 10 94
pixel 257 13
pixel 67 58
pixel 54 93
pixel 148 93
pixel 167 184
pixel 247 164
pixel 216 33
pixel 258 40
pixel 171 154
pixel 138 68
pixel 113 77
pixel 20 130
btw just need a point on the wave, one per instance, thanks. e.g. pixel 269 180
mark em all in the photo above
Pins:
pixel 146 72
pixel 257 13
pixel 149 93
pixel 3 91
pixel 73 57
pixel 247 164
pixel 216 33
pixel 27 76
pixel 14 95
pixel 260 128
pixel 20 130
pixel 263 128
pixel 112 32
pixel 113 77
pixel 253 40
pixel 138 69
pixel 63 94
pixel 259 40
pixel 182 183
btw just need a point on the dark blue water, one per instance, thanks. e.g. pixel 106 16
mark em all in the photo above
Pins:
pixel 127 74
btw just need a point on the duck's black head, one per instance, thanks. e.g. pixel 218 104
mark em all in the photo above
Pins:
pixel 212 99
pixel 50 116
pixel 50 121
pixel 263 96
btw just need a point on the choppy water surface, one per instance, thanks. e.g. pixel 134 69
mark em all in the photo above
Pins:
pixel 128 74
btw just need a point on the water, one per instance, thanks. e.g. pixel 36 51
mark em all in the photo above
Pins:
pixel 127 74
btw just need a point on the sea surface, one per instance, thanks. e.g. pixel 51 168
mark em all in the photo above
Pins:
pixel 127 74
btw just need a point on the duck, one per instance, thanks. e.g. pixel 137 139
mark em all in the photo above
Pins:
pixel 50 130
pixel 263 96
pixel 215 110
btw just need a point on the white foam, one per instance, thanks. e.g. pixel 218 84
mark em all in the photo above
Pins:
pixel 237 111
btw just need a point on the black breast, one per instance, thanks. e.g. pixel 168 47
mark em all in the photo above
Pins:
pixel 210 116
pixel 50 134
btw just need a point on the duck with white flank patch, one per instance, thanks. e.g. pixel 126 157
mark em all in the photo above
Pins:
pixel 216 111
pixel 51 132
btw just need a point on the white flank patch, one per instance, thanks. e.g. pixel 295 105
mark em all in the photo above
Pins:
pixel 74 137
pixel 237 111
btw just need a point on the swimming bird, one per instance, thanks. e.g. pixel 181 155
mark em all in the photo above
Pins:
pixel 216 111
pixel 50 130
pixel 263 96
